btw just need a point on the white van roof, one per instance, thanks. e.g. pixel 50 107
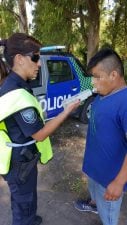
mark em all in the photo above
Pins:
pixel 52 48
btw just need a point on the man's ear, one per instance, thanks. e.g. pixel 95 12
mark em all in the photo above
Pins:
pixel 114 75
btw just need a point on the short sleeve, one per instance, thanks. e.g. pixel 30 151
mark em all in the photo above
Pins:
pixel 29 121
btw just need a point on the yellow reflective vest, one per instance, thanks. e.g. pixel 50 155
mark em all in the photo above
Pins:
pixel 10 103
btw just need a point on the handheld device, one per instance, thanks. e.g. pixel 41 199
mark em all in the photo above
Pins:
pixel 80 96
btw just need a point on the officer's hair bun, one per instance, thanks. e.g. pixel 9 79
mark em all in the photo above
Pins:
pixel 3 42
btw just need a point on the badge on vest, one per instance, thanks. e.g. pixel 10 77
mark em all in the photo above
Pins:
pixel 29 116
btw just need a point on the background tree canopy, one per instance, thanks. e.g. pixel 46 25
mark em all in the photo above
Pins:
pixel 82 25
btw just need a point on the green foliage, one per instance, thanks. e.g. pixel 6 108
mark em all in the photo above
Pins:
pixel 12 17
pixel 53 25
pixel 8 23
pixel 114 28
pixel 68 22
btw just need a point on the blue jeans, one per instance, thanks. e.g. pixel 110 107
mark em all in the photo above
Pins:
pixel 108 210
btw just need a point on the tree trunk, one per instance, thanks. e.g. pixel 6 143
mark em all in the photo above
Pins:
pixel 23 25
pixel 93 40
pixel 93 27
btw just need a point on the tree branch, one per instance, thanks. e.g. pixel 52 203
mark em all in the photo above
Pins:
pixel 6 8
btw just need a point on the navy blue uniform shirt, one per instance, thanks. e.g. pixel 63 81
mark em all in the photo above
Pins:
pixel 21 125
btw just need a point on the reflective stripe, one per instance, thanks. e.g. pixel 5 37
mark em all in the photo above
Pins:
pixel 10 144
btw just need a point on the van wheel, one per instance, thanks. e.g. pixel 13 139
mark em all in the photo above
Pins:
pixel 85 112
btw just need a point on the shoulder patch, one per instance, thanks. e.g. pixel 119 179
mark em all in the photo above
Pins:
pixel 29 116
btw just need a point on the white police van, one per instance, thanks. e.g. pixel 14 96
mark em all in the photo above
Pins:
pixel 61 76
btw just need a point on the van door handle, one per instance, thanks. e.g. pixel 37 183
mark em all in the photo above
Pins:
pixel 74 89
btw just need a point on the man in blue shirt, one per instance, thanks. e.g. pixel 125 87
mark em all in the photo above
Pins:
pixel 105 160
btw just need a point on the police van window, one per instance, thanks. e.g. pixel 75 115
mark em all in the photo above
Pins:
pixel 59 71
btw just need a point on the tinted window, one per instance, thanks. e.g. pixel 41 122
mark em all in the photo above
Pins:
pixel 59 71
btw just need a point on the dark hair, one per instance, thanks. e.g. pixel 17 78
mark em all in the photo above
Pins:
pixel 19 43
pixel 3 71
pixel 110 60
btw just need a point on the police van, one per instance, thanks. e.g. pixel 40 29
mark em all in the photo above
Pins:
pixel 61 76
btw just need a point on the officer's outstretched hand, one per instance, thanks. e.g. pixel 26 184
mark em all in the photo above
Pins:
pixel 72 106
pixel 53 124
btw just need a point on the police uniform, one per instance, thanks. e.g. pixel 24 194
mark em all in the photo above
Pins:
pixel 21 125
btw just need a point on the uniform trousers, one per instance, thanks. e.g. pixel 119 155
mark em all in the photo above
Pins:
pixel 23 196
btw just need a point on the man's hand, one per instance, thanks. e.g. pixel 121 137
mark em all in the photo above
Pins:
pixel 115 188
pixel 114 191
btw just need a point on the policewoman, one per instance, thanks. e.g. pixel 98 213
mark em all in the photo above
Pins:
pixel 24 126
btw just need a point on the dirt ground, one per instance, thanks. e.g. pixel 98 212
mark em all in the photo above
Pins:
pixel 68 144
pixel 61 182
